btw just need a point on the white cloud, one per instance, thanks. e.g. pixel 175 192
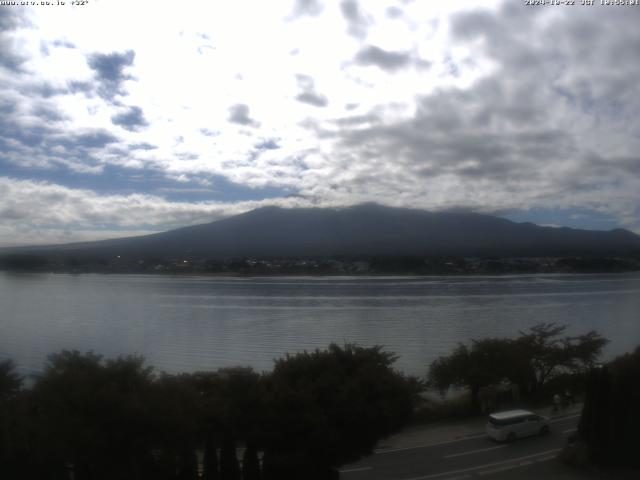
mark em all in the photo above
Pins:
pixel 415 103
pixel 42 212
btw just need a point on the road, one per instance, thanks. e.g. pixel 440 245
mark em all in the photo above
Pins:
pixel 468 457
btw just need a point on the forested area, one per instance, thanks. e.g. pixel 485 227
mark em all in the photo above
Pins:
pixel 86 417
pixel 610 422
pixel 536 364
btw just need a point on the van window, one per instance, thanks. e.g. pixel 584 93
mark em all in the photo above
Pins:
pixel 515 420
pixel 496 423
pixel 505 422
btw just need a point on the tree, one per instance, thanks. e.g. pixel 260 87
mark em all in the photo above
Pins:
pixel 329 407
pixel 187 464
pixel 541 354
pixel 231 407
pixel 11 435
pixel 528 361
pixel 97 419
pixel 10 381
pixel 250 463
pixel 486 362
pixel 174 407
pixel 94 415
pixel 24 262
pixel 229 465
pixel 610 419
pixel 210 458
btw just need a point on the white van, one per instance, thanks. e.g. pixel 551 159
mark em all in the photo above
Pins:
pixel 512 424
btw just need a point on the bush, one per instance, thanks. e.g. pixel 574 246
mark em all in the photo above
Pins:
pixel 610 420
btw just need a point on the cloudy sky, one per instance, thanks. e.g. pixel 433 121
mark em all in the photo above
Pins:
pixel 120 117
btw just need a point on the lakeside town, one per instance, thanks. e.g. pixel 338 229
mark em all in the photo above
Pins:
pixel 365 265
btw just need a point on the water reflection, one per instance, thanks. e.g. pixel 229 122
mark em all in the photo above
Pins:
pixel 191 323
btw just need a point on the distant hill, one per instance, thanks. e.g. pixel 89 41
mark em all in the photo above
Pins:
pixel 362 230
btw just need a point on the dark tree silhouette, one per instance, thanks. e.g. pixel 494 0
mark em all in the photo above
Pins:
pixel 229 465
pixel 549 355
pixel 94 419
pixel 23 262
pixel 330 407
pixel 174 406
pixel 610 419
pixel 10 381
pixel 93 415
pixel 230 407
pixel 250 463
pixel 187 464
pixel 528 361
pixel 485 362
pixel 12 431
pixel 210 458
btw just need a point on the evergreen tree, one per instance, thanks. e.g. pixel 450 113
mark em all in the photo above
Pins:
pixel 250 463
pixel 187 465
pixel 330 407
pixel 529 361
pixel 610 419
pixel 210 459
pixel 10 381
pixel 12 425
pixel 229 465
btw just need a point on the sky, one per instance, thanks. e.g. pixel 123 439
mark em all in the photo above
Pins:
pixel 125 118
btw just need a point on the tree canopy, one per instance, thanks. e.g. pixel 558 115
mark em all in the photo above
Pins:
pixel 528 361
pixel 97 419
pixel 545 354
pixel 484 362
pixel 329 407
pixel 10 380
pixel 610 419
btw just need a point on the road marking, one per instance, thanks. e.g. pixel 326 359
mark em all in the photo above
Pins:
pixel 475 451
pixel 427 445
pixel 478 467
pixel 570 430
pixel 517 465
pixel 360 469
pixel 556 420
pixel 462 439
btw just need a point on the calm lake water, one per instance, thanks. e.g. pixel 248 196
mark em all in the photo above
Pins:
pixel 194 323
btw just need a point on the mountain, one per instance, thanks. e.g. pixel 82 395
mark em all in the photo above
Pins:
pixel 367 230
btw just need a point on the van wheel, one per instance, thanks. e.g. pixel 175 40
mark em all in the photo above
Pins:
pixel 511 437
pixel 544 430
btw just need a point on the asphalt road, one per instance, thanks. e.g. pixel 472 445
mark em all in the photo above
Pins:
pixel 468 457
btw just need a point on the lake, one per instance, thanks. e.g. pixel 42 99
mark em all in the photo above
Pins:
pixel 188 323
